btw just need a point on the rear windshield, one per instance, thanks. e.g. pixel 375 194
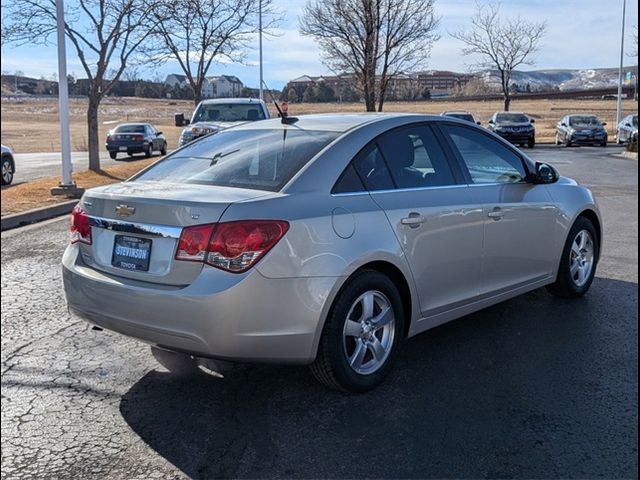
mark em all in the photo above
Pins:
pixel 228 112
pixel 130 128
pixel 512 117
pixel 462 116
pixel 583 120
pixel 256 159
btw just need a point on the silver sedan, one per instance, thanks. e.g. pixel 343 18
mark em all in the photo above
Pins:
pixel 324 240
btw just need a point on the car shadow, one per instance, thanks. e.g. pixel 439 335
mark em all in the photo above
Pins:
pixel 533 387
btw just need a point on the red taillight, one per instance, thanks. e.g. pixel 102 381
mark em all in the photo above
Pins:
pixel 109 138
pixel 194 242
pixel 232 246
pixel 138 138
pixel 80 227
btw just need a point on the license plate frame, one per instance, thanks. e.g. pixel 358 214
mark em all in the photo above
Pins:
pixel 122 148
pixel 131 253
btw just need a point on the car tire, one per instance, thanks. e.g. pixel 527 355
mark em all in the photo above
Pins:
pixel 113 155
pixel 531 143
pixel 581 249
pixel 618 139
pixel 149 151
pixel 7 171
pixel 175 362
pixel 350 341
pixel 164 149
pixel 557 139
pixel 604 143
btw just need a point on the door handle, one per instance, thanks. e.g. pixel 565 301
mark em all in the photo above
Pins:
pixel 413 220
pixel 496 214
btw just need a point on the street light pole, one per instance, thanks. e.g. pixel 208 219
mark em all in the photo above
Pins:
pixel 260 44
pixel 619 98
pixel 67 185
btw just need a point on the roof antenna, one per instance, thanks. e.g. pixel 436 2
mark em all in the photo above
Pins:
pixel 283 113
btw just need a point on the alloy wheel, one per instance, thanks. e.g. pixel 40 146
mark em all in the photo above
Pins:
pixel 368 333
pixel 7 172
pixel 582 258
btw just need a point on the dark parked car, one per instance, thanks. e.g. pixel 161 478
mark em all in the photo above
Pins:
pixel 581 130
pixel 133 138
pixel 461 115
pixel 8 166
pixel 627 131
pixel 514 127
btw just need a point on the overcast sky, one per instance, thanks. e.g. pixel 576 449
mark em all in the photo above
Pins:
pixel 581 34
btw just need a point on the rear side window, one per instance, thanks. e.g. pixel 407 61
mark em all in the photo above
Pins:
pixel 348 182
pixel 486 159
pixel 256 159
pixel 415 158
pixel 372 169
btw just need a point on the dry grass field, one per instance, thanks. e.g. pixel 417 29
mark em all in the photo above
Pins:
pixel 31 125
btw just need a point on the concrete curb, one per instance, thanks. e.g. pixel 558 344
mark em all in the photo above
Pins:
pixel 37 215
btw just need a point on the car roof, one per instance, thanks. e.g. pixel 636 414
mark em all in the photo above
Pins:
pixel 582 115
pixel 132 124
pixel 332 122
pixel 240 100
pixel 456 112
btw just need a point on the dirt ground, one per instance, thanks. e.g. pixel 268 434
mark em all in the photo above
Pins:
pixel 31 125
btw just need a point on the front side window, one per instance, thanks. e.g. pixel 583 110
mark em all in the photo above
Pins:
pixel 415 158
pixel 257 159
pixel 486 159
pixel 228 112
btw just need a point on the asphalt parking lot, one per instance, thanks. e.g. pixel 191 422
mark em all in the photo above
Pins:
pixel 536 387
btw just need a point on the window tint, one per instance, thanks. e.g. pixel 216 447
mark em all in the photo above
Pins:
pixel 415 158
pixel 349 181
pixel 228 112
pixel 130 129
pixel 372 169
pixel 259 159
pixel 486 159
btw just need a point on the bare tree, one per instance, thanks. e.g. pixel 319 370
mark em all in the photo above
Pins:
pixel 197 33
pixel 104 33
pixel 501 44
pixel 373 39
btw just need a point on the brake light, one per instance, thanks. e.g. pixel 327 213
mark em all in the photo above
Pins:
pixel 232 246
pixel 109 138
pixel 138 138
pixel 80 227
pixel 194 242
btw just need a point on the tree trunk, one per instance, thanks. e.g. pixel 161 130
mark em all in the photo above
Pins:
pixel 507 102
pixel 93 133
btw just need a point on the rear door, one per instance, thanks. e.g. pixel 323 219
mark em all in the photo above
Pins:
pixel 432 213
pixel 519 217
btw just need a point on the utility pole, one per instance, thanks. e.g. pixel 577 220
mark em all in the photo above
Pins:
pixel 260 45
pixel 619 98
pixel 67 186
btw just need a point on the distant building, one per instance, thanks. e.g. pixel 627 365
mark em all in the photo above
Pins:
pixel 222 86
pixel 226 86
pixel 404 86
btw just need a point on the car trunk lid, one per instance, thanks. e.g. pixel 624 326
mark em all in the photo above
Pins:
pixel 136 226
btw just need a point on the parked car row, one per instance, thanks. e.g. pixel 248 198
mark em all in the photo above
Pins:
pixel 519 129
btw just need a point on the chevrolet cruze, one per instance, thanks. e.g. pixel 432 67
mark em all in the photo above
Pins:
pixel 324 240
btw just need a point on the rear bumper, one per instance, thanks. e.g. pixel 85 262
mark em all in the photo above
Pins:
pixel 127 147
pixel 245 317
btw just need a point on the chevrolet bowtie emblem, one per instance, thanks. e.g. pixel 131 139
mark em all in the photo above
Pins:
pixel 125 210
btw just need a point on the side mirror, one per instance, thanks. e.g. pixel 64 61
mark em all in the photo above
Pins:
pixel 604 124
pixel 180 121
pixel 158 134
pixel 478 123
pixel 491 122
pixel 545 174
pixel 532 120
pixel 563 124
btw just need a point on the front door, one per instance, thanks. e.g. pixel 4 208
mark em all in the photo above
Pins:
pixel 519 217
